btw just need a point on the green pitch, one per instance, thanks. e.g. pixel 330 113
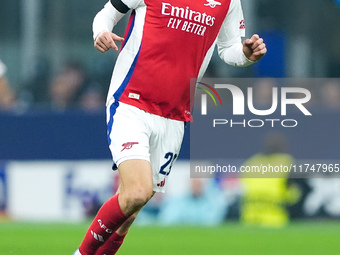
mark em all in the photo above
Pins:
pixel 312 237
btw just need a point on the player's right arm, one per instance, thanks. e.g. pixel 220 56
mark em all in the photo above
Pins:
pixel 106 19
pixel 102 26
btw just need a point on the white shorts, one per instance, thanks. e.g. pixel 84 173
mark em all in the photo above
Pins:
pixel 136 134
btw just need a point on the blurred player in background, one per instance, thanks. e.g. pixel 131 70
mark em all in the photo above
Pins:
pixel 148 102
pixel 204 204
pixel 265 199
pixel 7 96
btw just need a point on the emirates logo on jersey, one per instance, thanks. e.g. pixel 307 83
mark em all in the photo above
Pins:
pixel 212 3
pixel 128 146
pixel 188 20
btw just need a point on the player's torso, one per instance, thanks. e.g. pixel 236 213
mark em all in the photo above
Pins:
pixel 176 37
pixel 182 28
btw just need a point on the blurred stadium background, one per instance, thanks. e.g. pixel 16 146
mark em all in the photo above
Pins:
pixel 55 164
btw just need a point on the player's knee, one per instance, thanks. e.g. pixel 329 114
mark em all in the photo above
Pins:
pixel 140 197
pixel 135 199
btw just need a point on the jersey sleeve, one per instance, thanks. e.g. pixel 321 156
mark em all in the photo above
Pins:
pixel 125 5
pixel 229 40
pixel 112 12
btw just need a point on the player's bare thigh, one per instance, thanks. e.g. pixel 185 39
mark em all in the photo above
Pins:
pixel 136 187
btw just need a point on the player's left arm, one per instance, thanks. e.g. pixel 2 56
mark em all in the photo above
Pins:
pixel 229 40
pixel 254 48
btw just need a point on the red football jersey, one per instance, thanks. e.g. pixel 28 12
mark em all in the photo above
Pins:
pixel 166 44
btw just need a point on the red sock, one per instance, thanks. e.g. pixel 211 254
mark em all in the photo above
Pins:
pixel 111 246
pixel 109 218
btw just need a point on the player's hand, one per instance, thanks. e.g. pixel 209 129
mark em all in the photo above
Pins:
pixel 254 48
pixel 107 40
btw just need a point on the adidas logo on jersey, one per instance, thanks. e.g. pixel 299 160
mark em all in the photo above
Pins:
pixel 212 3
